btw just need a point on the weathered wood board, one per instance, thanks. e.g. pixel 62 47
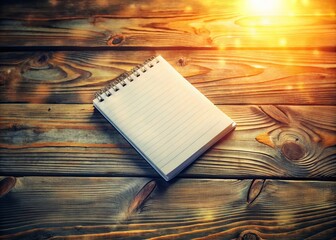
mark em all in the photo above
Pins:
pixel 225 77
pixel 118 208
pixel 209 24
pixel 270 141
pixel 270 65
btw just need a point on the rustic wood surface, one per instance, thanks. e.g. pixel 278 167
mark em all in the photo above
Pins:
pixel 225 77
pixel 119 208
pixel 219 24
pixel 270 141
pixel 68 174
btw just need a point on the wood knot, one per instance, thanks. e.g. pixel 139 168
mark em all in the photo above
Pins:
pixel 6 185
pixel 182 62
pixel 209 40
pixel 202 31
pixel 249 235
pixel 141 197
pixel 292 151
pixel 40 62
pixel 42 59
pixel 115 39
pixel 256 187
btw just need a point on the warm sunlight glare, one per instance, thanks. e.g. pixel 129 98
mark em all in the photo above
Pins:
pixel 264 7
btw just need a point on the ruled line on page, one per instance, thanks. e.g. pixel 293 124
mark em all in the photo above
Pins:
pixel 189 150
pixel 184 139
pixel 140 100
pixel 123 103
pixel 157 118
pixel 138 86
pixel 164 114
pixel 176 131
pixel 173 91
pixel 155 110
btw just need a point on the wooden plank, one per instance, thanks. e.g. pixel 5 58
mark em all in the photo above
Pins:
pixel 29 9
pixel 270 141
pixel 121 208
pixel 225 77
pixel 219 24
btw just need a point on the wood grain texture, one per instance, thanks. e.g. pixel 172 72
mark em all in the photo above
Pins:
pixel 76 139
pixel 219 24
pixel 29 9
pixel 225 77
pixel 6 185
pixel 97 208
pixel 273 72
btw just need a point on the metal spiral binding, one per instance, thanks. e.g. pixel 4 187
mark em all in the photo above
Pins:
pixel 136 71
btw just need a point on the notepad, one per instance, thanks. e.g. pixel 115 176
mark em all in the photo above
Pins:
pixel 164 117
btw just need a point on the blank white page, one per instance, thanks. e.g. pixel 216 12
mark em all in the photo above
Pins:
pixel 164 117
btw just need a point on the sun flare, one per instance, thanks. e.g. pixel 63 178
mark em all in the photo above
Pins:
pixel 264 7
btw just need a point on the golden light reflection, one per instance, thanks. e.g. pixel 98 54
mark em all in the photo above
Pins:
pixel 253 31
pixel 188 9
pixel 208 215
pixel 316 52
pixel 318 13
pixel 221 46
pixel 276 7
pixel 237 42
pixel 271 23
pixel 222 62
pixel 264 7
pixel 282 42
pixel 265 21
pixel 305 2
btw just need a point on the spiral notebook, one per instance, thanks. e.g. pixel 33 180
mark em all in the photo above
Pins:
pixel 166 119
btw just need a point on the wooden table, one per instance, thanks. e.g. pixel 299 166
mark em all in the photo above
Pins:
pixel 68 174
